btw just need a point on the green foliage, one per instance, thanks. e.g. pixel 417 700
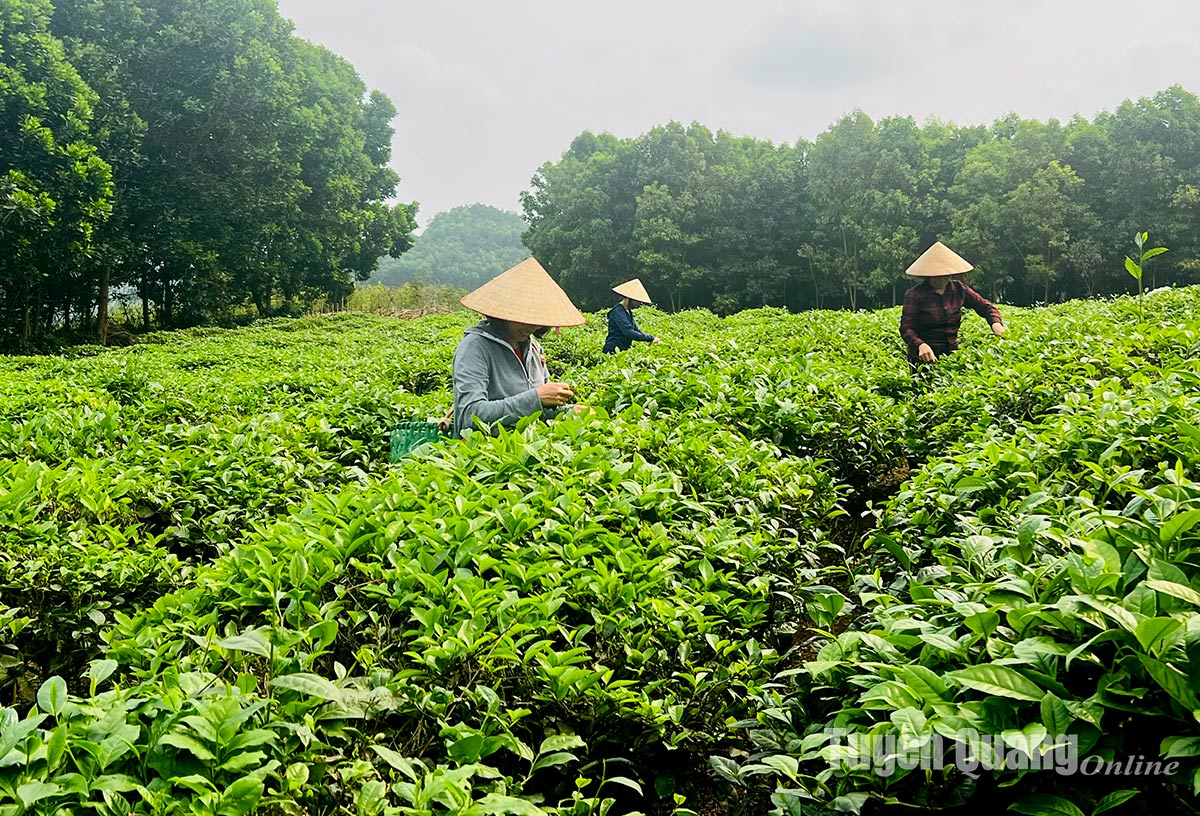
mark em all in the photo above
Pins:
pixel 415 296
pixel 116 474
pixel 1138 268
pixel 464 247
pixel 55 188
pixel 1037 579
pixel 714 221
pixel 239 164
pixel 219 597
pixel 703 219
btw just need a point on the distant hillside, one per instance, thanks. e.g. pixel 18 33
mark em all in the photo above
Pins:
pixel 464 247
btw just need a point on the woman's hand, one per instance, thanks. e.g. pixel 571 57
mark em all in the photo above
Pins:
pixel 925 353
pixel 999 329
pixel 554 395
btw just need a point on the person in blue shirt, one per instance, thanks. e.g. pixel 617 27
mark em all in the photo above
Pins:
pixel 623 331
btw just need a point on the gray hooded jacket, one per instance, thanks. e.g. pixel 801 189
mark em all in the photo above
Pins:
pixel 490 382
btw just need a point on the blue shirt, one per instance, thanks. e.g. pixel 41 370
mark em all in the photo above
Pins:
pixel 623 331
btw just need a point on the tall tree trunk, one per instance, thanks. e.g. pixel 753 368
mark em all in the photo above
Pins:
pixel 165 320
pixel 144 291
pixel 102 304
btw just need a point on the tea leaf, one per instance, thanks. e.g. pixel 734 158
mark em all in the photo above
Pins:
pixel 310 684
pixel 1044 804
pixel 999 680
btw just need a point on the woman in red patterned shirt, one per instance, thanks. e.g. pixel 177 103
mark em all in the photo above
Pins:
pixel 933 308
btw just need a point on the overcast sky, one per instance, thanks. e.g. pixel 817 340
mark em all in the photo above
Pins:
pixel 487 91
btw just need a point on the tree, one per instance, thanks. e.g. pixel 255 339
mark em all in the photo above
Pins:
pixel 905 204
pixel 706 219
pixel 731 222
pixel 664 241
pixel 840 186
pixel 581 214
pixel 1005 182
pixel 251 165
pixel 463 247
pixel 55 189
pixel 1043 211
pixel 1186 204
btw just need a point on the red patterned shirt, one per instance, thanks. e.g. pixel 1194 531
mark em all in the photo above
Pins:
pixel 934 319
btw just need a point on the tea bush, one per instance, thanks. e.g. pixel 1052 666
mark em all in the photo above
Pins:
pixel 219 597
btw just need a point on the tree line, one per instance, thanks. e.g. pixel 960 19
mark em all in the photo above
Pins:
pixel 196 155
pixel 463 247
pixel 1046 211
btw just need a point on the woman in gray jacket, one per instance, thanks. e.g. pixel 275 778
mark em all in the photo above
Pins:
pixel 500 374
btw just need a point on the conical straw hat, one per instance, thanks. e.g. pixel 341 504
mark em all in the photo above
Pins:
pixel 938 260
pixel 634 291
pixel 525 294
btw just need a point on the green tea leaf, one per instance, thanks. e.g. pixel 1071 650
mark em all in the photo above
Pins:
pixel 253 642
pixel 13 732
pixel 241 797
pixel 998 680
pixel 52 696
pixel 1029 740
pixel 401 763
pixel 310 684
pixel 550 760
pixel 99 671
pixel 849 803
pixel 1114 799
pixel 55 745
pixel 1173 681
pixel 894 695
pixel 189 744
pixel 561 742
pixel 1044 804
pixel 924 683
pixel 116 783
pixel 371 799
pixel 34 792
pixel 910 721
pixel 1183 593
pixel 1177 525
pixel 495 803
pixel 467 749
pixel 941 641
pixel 297 775
pixel 1174 747
pixel 298 571
pixel 1154 633
pixel 1055 715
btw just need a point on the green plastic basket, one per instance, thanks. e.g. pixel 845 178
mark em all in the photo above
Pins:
pixel 408 437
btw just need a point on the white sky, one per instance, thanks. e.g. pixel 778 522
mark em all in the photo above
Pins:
pixel 488 91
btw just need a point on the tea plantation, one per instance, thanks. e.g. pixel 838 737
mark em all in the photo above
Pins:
pixel 218 597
